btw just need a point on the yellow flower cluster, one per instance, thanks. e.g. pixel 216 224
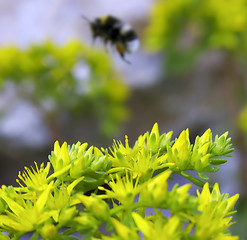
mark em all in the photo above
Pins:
pixel 125 184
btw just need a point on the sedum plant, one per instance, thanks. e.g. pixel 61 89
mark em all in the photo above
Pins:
pixel 73 77
pixel 242 120
pixel 106 193
pixel 186 29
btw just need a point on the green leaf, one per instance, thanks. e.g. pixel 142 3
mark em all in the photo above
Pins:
pixel 217 161
pixel 89 180
pixel 194 180
pixel 211 169
pixel 203 176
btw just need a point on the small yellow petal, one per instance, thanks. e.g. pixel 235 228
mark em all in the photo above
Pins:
pixel 142 224
pixel 205 194
pixel 124 232
pixel 206 137
pixel 65 153
pixel 231 202
pixel 57 148
pixel 155 130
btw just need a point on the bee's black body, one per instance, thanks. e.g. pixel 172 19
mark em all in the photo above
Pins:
pixel 108 28
pixel 111 29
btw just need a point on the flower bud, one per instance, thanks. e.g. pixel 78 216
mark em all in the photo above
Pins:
pixel 179 153
pixel 157 187
pixel 66 215
pixel 98 163
pixel 86 220
pixel 222 145
pixel 95 205
pixel 48 231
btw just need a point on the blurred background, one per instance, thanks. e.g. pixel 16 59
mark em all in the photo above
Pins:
pixel 190 72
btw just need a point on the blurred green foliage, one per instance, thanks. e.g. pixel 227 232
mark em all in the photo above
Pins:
pixel 183 29
pixel 241 219
pixel 72 77
pixel 242 120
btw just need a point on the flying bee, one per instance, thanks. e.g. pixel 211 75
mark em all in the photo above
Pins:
pixel 112 30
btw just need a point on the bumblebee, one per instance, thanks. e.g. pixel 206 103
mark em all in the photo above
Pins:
pixel 112 30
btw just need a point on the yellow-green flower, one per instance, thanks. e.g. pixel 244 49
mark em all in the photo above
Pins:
pixel 60 199
pixel 93 204
pixel 123 231
pixel 48 232
pixel 78 161
pixel 180 152
pixel 156 188
pixel 200 153
pixel 25 217
pixel 166 229
pixel 73 162
pixel 44 204
pixel 183 193
pixel 222 145
pixel 60 158
pixel 12 193
pixel 66 214
pixel 123 189
pixel 34 180
pixel 138 160
pixel 122 155
pixel 153 142
pixel 206 137
pixel 86 221
pixel 215 210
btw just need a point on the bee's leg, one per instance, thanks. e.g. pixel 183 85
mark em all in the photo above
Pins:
pixel 123 57
pixel 121 50
pixel 126 60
